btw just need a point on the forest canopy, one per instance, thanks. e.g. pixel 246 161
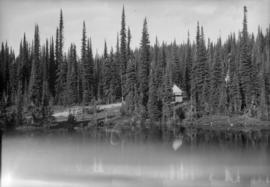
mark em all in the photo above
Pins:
pixel 218 77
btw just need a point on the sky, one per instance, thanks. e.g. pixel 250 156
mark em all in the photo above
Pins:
pixel 167 19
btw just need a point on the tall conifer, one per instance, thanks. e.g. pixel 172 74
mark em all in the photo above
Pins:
pixel 144 67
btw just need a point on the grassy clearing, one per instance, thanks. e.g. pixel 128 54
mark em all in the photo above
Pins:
pixel 86 112
pixel 230 120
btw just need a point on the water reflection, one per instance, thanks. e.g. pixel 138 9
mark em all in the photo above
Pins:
pixel 64 160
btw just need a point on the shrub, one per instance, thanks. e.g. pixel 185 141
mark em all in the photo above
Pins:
pixel 71 118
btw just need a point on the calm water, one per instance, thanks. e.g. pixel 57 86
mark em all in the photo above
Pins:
pixel 67 160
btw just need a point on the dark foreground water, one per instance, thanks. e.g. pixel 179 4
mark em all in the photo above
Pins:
pixel 78 161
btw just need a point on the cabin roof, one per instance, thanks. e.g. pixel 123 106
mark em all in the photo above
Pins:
pixel 176 90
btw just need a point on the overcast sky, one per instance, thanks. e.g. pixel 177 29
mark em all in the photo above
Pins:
pixel 167 19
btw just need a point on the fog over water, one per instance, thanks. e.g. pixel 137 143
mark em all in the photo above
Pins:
pixel 64 160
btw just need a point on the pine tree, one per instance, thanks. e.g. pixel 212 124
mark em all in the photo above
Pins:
pixel 202 80
pixel 56 84
pixel 232 76
pixel 144 67
pixel 256 65
pixel 9 73
pixel 117 66
pixel 100 77
pixel 216 80
pixel 207 81
pixel 2 69
pixel 107 76
pixel 86 85
pixel 13 80
pixel 26 64
pixel 80 82
pixel 263 101
pixel 61 64
pixel 20 79
pixel 235 94
pixel 45 86
pixel 52 69
pixel 245 65
pixel 154 112
pixel 72 76
pixel 123 53
pixel 19 105
pixel 264 108
pixel 19 64
pixel 131 85
pixel 2 79
pixel 90 67
pixel 35 80
pixel 177 74
pixel 61 37
pixel 195 75
pixel 199 71
pixel 188 68
pixel 128 44
pixel 161 70
pixel 113 74
pixel 68 89
pixel 167 94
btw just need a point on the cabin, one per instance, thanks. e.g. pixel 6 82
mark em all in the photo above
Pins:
pixel 178 94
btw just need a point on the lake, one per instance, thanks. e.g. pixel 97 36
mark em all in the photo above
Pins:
pixel 62 159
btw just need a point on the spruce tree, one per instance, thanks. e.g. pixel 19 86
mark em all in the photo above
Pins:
pixel 188 68
pixel 56 84
pixel 107 76
pixel 199 71
pixel 35 80
pixel 177 73
pixel 117 66
pixel 264 108
pixel 245 65
pixel 61 37
pixel 217 79
pixel 86 77
pixel 160 70
pixel 195 74
pixel 100 77
pixel 131 85
pixel 26 63
pixel 123 52
pixel 52 69
pixel 144 68
pixel 2 69
pixel 61 64
pixel 153 103
pixel 113 74
pixel 207 80
pixel 202 77
pixel 167 94
pixel 128 44
pixel 256 65
pixel 19 105
pixel 72 76
pixel 80 82
pixel 235 94
pixel 90 67
pixel 20 79
pixel 45 86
